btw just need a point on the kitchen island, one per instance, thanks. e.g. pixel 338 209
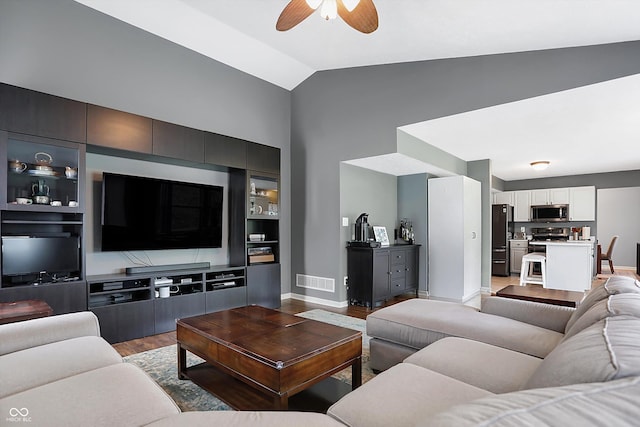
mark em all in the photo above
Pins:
pixel 569 264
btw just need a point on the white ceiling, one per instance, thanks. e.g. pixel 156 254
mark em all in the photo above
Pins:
pixel 574 129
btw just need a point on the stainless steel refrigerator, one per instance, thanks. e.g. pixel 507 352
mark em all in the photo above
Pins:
pixel 501 232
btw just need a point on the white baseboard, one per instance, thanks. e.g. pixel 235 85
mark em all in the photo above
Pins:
pixel 485 290
pixel 462 300
pixel 314 300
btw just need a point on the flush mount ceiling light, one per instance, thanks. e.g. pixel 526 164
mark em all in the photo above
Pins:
pixel 358 14
pixel 540 165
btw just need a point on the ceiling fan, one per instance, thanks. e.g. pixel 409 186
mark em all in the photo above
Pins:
pixel 358 14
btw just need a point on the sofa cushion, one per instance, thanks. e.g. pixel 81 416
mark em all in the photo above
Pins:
pixel 491 368
pixel 248 418
pixel 613 403
pixel 32 333
pixel 25 369
pixel 115 395
pixel 614 285
pixel 613 305
pixel 418 322
pixel 605 351
pixel 402 396
pixel 546 316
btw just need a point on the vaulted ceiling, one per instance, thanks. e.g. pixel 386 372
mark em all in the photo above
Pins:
pixel 566 128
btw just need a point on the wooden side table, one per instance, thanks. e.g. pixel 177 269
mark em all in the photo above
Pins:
pixel 23 310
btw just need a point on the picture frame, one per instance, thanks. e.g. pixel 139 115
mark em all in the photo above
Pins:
pixel 380 234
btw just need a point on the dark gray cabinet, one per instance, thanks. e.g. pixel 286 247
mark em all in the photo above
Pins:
pixel 117 129
pixel 263 158
pixel 191 293
pixel 35 113
pixel 377 274
pixel 178 142
pixel 123 322
pixel 167 310
pixel 224 299
pixel 61 297
pixel 224 150
pixel 263 285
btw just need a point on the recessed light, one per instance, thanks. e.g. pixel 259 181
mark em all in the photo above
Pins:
pixel 540 165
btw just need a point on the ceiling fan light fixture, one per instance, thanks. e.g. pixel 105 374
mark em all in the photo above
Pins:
pixel 313 4
pixel 329 9
pixel 540 165
pixel 350 4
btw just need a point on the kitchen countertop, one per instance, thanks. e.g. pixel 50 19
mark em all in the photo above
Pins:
pixel 566 243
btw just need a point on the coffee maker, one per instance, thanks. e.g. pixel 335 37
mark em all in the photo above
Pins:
pixel 362 228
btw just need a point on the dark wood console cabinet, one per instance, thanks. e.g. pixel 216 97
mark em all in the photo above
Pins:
pixel 377 274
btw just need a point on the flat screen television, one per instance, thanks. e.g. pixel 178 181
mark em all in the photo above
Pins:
pixel 25 255
pixel 141 213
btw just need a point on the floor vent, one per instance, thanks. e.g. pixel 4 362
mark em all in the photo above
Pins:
pixel 313 282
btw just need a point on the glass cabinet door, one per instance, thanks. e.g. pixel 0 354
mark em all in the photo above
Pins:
pixel 40 174
pixel 263 196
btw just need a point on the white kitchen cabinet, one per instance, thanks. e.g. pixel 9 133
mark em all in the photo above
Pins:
pixel 550 196
pixel 521 205
pixel 539 197
pixel 559 196
pixel 455 252
pixel 503 198
pixel 582 203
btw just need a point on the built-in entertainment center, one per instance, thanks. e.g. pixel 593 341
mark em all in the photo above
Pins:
pixel 44 141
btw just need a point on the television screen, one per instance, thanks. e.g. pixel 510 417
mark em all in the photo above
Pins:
pixel 23 255
pixel 144 213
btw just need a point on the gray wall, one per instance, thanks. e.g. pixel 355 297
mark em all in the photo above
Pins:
pixel 599 180
pixel 353 113
pixel 362 191
pixel 64 48
pixel 480 170
pixel 99 262
pixel 413 200
pixel 619 214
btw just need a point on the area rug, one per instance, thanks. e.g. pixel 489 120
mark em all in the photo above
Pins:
pixel 161 365
pixel 339 320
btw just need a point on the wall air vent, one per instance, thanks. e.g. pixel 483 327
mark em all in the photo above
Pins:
pixel 313 282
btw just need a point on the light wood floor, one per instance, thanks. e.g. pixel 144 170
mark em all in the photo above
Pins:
pixel 292 306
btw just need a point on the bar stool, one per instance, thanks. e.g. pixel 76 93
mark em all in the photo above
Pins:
pixel 527 265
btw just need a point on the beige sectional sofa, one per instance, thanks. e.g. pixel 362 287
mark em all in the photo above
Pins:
pixel 571 367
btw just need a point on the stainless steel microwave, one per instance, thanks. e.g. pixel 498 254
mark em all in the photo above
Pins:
pixel 550 213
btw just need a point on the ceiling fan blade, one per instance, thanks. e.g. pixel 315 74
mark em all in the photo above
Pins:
pixel 363 18
pixel 293 14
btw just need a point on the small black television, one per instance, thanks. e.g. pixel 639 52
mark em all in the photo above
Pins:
pixel 26 255
pixel 140 213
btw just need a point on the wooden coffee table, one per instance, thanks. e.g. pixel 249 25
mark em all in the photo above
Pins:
pixel 23 310
pixel 540 294
pixel 257 358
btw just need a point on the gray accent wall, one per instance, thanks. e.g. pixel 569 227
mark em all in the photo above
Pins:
pixel 99 262
pixel 480 170
pixel 599 180
pixel 362 191
pixel 619 215
pixel 347 114
pixel 413 199
pixel 64 48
